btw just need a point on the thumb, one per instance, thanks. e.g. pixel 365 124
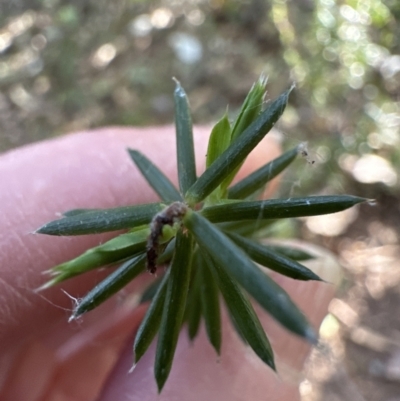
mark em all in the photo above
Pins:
pixel 87 169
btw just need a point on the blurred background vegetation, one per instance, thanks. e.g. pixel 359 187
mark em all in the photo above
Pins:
pixel 72 65
pixel 77 64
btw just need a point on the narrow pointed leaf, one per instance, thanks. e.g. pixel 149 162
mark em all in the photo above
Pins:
pixel 155 177
pixel 242 312
pixel 112 251
pixel 194 317
pixel 236 263
pixel 237 328
pixel 110 285
pixel 75 212
pixel 250 110
pixel 92 259
pixel 166 256
pixel 290 252
pixel 274 261
pixel 151 321
pixel 124 241
pixel 251 107
pixel 260 177
pixel 98 221
pixel 280 208
pixel 184 140
pixel 247 228
pixel 237 151
pixel 149 293
pixel 174 308
pixel 210 306
pixel 193 305
pixel 219 140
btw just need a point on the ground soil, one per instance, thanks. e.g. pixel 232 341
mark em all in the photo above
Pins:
pixel 359 355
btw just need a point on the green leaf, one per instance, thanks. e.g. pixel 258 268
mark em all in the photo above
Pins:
pixel 280 208
pixel 260 177
pixel 290 252
pixel 210 306
pixel 247 228
pixel 174 307
pixel 193 305
pixel 166 256
pixel 236 327
pixel 274 261
pixel 116 250
pixel 76 212
pixel 250 110
pixel 102 220
pixel 124 241
pixel 184 140
pixel 237 151
pixel 157 180
pixel 219 140
pixel 110 285
pixel 236 263
pixel 149 293
pixel 251 107
pixel 243 314
pixel 151 321
pixel 112 251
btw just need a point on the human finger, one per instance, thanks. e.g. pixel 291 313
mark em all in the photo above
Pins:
pixel 88 169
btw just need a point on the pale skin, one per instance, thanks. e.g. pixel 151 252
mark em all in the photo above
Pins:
pixel 45 358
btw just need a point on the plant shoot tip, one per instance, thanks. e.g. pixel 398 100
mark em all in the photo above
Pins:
pixel 132 367
pixel 311 336
pixel 47 272
pixel 72 318
pixel 41 288
pixel 46 285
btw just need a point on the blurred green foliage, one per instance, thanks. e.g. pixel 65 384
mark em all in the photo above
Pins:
pixel 72 65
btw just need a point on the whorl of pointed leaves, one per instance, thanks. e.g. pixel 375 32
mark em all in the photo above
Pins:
pixel 205 232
